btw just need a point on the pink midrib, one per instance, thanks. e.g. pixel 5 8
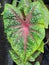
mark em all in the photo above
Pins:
pixel 25 37
pixel 25 33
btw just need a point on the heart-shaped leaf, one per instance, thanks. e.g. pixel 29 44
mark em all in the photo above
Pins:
pixel 25 36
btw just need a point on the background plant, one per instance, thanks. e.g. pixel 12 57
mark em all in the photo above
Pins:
pixel 25 28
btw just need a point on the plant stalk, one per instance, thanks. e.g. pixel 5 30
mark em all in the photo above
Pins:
pixel 27 2
pixel 14 3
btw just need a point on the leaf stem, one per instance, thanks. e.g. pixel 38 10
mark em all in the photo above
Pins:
pixel 14 3
pixel 27 2
pixel 0 5
pixel 46 42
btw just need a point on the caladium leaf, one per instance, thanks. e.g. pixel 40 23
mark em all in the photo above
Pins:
pixel 25 36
